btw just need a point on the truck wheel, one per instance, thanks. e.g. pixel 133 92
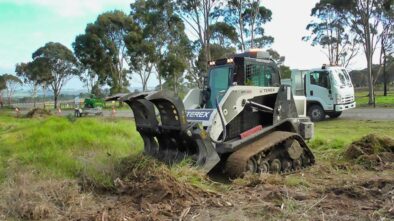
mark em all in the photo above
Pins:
pixel 316 113
pixel 335 114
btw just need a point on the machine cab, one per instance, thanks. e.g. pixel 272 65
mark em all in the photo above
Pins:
pixel 252 68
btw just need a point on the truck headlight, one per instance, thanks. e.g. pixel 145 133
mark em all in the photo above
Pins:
pixel 338 99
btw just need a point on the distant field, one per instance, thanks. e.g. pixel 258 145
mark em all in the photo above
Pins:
pixel 381 101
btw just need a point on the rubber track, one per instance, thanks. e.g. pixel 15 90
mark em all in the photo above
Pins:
pixel 237 162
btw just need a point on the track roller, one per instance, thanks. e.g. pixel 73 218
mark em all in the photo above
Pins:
pixel 277 152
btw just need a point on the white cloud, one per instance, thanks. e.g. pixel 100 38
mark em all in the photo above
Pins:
pixel 73 8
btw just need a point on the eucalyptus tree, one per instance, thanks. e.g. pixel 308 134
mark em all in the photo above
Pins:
pixel 365 22
pixel 175 59
pixel 35 74
pixel 387 40
pixel 154 18
pixel 199 16
pixel 12 83
pixel 104 48
pixel 26 73
pixel 214 37
pixel 249 17
pixel 330 29
pixel 58 66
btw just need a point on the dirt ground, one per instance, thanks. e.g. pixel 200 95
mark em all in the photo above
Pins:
pixel 329 190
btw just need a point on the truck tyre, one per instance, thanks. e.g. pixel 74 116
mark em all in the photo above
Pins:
pixel 335 114
pixel 316 113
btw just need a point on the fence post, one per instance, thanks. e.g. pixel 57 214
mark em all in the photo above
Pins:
pixel 113 114
pixel 17 111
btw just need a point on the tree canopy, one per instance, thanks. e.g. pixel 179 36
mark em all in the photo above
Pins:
pixel 53 64
pixel 103 48
pixel 331 31
pixel 361 19
pixel 10 83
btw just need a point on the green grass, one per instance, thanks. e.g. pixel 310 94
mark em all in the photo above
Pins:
pixel 59 147
pixel 381 101
pixel 333 136
pixel 56 146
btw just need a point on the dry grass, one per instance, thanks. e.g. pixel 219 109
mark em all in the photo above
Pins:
pixel 28 198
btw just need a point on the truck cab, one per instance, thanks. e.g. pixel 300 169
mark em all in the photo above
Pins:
pixel 328 90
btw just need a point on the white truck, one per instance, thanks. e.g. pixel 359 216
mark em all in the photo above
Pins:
pixel 328 91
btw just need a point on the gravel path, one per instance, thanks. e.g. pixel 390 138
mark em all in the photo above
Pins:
pixel 369 114
pixel 353 114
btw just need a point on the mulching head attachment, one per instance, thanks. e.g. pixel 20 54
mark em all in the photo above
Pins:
pixel 166 133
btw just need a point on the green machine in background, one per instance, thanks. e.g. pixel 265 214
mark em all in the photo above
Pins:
pixel 91 105
pixel 93 102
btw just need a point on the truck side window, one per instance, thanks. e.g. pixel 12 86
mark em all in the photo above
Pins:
pixel 320 78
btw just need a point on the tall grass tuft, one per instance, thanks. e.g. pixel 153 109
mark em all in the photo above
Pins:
pixel 58 146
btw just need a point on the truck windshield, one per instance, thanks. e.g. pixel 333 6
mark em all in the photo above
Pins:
pixel 219 78
pixel 348 80
pixel 342 78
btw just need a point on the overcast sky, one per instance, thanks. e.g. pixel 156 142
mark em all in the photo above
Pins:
pixel 26 25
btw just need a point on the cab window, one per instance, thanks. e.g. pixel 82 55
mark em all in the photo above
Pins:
pixel 320 78
pixel 348 80
pixel 261 75
pixel 342 78
pixel 218 81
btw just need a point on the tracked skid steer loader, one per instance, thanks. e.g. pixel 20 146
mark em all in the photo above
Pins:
pixel 242 118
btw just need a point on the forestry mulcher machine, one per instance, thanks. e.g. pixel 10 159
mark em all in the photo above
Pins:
pixel 242 118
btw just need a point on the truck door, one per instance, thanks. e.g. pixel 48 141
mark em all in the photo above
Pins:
pixel 318 88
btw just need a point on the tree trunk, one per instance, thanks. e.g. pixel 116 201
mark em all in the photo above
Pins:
pixel 55 100
pixel 384 76
pixel 370 80
pixel 44 94
pixel 55 97
pixel 368 53
pixel 34 95
pixel 241 28
pixel 160 83
pixel 175 84
pixel 144 82
pixel 9 100
pixel 1 99
pixel 253 23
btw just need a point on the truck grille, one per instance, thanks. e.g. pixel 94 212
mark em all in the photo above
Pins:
pixel 348 99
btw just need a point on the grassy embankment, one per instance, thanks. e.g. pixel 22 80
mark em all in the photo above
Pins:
pixel 58 147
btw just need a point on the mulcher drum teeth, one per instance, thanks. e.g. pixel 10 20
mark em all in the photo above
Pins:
pixel 271 146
